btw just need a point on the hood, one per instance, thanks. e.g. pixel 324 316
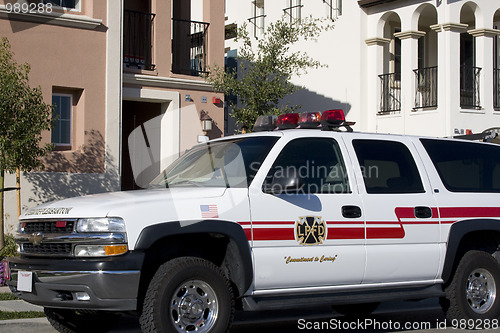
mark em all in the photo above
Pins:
pixel 116 203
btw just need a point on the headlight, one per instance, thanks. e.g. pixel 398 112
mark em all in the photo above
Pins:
pixel 104 224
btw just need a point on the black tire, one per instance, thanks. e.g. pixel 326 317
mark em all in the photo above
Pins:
pixel 81 321
pixel 473 291
pixel 180 298
pixel 356 310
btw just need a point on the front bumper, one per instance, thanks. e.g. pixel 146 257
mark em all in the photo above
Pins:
pixel 111 283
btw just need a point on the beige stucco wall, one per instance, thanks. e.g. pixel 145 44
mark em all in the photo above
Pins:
pixel 66 55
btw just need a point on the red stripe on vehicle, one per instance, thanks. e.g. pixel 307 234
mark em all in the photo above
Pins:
pixel 375 233
pixel 268 234
pixel 346 233
pixel 463 212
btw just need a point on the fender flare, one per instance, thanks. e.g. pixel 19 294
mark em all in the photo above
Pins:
pixel 457 232
pixel 239 241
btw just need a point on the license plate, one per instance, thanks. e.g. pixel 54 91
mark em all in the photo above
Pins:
pixel 24 281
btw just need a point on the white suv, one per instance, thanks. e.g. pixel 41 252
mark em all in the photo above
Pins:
pixel 277 219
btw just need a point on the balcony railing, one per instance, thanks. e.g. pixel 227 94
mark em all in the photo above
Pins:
pixel 390 101
pixel 137 39
pixel 189 47
pixel 426 83
pixel 469 87
pixel 496 89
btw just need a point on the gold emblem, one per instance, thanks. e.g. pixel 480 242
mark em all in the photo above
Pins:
pixel 36 238
pixel 310 230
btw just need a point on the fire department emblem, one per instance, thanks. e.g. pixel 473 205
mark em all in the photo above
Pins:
pixel 310 230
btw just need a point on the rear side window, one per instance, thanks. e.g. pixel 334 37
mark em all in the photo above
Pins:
pixel 387 167
pixel 465 166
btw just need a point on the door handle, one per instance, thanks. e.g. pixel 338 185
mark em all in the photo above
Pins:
pixel 351 212
pixel 423 212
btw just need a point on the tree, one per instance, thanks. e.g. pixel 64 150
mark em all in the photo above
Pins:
pixel 23 117
pixel 266 67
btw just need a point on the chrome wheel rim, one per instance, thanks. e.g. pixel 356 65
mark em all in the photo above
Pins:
pixel 480 290
pixel 194 307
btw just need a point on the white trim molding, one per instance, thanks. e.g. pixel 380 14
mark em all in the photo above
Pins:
pixel 54 18
pixel 166 82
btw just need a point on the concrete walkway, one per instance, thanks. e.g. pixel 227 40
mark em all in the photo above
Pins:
pixel 34 325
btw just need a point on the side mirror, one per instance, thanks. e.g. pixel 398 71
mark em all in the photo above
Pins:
pixel 292 183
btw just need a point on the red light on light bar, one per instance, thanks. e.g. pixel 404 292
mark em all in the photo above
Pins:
pixel 288 120
pixel 332 117
pixel 309 119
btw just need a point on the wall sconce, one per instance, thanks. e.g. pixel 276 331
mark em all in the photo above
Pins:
pixel 206 121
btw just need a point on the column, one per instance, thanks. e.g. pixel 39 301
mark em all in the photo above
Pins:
pixel 449 71
pixel 375 67
pixel 484 60
pixel 409 62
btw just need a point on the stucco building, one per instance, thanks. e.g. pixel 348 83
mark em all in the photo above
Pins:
pixel 111 67
pixel 398 66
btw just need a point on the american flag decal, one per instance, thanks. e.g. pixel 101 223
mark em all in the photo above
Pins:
pixel 209 211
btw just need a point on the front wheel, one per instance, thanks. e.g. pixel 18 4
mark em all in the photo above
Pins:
pixel 188 295
pixel 473 292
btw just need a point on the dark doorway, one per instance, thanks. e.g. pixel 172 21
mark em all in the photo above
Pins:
pixel 468 72
pixel 135 114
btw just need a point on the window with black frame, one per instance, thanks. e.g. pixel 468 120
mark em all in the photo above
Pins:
pixel 388 167
pixel 317 162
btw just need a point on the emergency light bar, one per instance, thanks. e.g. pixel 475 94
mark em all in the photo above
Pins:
pixel 327 120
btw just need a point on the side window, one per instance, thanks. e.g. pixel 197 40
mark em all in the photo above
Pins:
pixel 61 133
pixel 317 161
pixel 465 166
pixel 387 167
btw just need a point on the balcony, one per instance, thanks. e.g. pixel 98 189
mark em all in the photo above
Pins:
pixel 469 87
pixel 189 47
pixel 390 100
pixel 137 40
pixel 426 83
pixel 496 89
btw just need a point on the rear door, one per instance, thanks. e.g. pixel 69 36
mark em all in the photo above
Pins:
pixel 313 237
pixel 402 223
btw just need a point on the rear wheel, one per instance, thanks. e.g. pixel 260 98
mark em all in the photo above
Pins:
pixel 473 291
pixel 81 321
pixel 188 295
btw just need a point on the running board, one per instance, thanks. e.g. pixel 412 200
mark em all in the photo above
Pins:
pixel 297 301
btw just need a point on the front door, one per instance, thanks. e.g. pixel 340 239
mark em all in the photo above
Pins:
pixel 307 222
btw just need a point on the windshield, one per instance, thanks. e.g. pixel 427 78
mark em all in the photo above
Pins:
pixel 228 163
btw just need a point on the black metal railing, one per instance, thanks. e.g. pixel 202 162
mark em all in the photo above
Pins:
pixel 496 89
pixel 189 47
pixel 137 39
pixel 426 84
pixel 390 100
pixel 469 87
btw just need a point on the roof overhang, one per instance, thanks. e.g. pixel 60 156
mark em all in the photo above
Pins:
pixel 370 3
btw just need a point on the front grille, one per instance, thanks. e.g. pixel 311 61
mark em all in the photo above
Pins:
pixel 60 227
pixel 47 249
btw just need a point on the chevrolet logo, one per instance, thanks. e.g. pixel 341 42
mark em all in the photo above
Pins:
pixel 35 238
